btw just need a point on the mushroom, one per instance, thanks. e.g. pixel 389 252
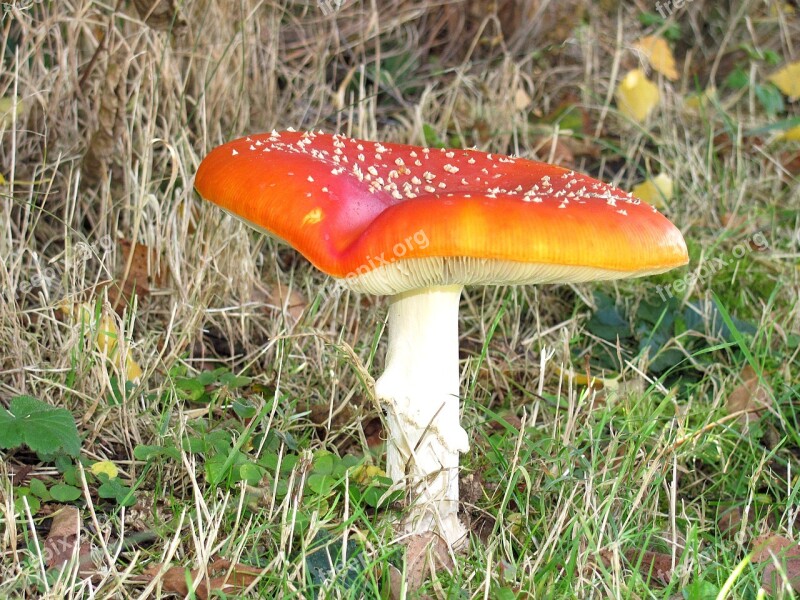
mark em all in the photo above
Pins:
pixel 418 224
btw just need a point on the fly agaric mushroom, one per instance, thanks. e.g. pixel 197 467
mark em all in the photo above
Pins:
pixel 417 224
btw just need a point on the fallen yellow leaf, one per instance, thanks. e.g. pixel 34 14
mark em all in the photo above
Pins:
pixel 8 109
pixel 659 55
pixel 107 335
pixel 787 79
pixel 106 339
pixel 781 8
pixel 133 372
pixel 636 95
pixel 656 191
pixel 584 379
pixel 702 100
pixel 364 473
pixel 791 135
pixel 105 466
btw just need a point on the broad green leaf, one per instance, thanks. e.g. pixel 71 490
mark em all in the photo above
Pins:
pixel 234 381
pixel 251 473
pixel 375 494
pixel 320 484
pixel 700 590
pixel 65 493
pixel 72 476
pixel 205 378
pixel 670 29
pixel 608 324
pixel 33 502
pixel 220 440
pixel 432 138
pixel 770 98
pixel 39 489
pixel 43 428
pixel 244 410
pixel 145 452
pixel 112 489
pixel 216 469
pixel 327 564
pixel 281 488
pixel 737 79
pixel 324 462
pixel 191 389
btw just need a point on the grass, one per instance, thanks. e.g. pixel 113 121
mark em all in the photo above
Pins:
pixel 646 488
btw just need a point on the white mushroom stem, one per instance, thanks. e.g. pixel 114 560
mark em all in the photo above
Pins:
pixel 419 392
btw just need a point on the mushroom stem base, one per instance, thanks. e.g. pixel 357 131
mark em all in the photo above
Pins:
pixel 419 393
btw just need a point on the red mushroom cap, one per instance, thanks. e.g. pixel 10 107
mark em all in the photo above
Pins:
pixel 392 217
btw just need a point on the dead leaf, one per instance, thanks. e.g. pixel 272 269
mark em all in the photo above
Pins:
pixel 20 474
pixel 162 15
pixel 472 489
pixel 110 121
pixel 777 553
pixel 146 273
pixel 637 96
pixel 61 543
pixel 554 150
pixel 501 422
pixel 373 431
pixel 733 220
pixel 729 522
pixel 287 300
pixel 787 80
pixel 425 553
pixel 554 21
pixel 791 162
pixel 658 53
pixel 225 577
pixel 395 583
pixel 652 565
pixel 521 99
pixel 571 114
pixel 750 396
